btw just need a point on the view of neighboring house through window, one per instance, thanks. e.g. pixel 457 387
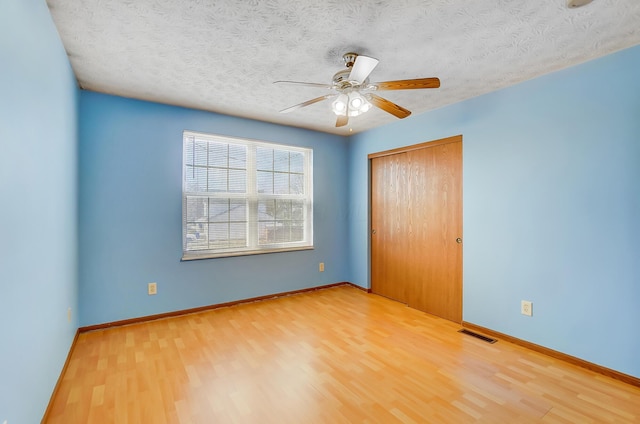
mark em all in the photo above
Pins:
pixel 244 197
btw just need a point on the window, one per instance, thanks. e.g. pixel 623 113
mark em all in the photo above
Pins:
pixel 242 197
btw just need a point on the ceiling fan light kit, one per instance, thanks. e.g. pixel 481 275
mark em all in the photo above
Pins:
pixel 354 94
pixel 350 104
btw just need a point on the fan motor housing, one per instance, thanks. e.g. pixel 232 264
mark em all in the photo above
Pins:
pixel 341 80
pixel 341 76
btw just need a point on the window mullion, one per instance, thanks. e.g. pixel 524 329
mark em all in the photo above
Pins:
pixel 308 195
pixel 252 198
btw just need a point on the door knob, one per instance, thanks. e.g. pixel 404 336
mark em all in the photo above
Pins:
pixel 458 240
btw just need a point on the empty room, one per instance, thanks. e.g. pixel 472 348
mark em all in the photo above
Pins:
pixel 319 212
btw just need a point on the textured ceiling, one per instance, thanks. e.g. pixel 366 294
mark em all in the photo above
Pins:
pixel 223 55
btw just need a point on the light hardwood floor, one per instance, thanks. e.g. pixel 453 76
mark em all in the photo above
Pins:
pixel 337 355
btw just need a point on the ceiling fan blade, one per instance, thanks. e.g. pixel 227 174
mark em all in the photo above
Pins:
pixel 410 84
pixel 390 107
pixel 307 103
pixel 362 67
pixel 306 84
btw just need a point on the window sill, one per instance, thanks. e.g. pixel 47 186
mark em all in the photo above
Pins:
pixel 195 257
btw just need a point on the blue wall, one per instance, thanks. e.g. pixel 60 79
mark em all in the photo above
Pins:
pixel 551 206
pixel 38 217
pixel 131 222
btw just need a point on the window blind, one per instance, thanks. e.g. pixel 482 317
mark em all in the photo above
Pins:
pixel 244 196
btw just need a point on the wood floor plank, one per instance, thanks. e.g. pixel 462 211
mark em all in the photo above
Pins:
pixel 337 355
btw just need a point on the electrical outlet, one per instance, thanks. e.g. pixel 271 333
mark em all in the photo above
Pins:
pixel 526 308
pixel 321 267
pixel 152 288
pixel 69 314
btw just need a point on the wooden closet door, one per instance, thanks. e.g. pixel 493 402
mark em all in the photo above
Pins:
pixel 389 247
pixel 416 206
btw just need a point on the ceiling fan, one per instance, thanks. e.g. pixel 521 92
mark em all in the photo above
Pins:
pixel 354 94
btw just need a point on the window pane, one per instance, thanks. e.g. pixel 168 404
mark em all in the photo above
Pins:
pixel 266 210
pixel 238 210
pixel 283 209
pixel 237 181
pixel 297 210
pixel 296 162
pixel 218 155
pixel 266 232
pixel 237 156
pixel 197 210
pixel 280 183
pixel 283 231
pixel 217 180
pixel 218 210
pixel 297 230
pixel 188 151
pixel 265 182
pixel 297 184
pixel 218 235
pixel 200 153
pixel 237 235
pixel 197 237
pixel 281 160
pixel 195 179
pixel 264 159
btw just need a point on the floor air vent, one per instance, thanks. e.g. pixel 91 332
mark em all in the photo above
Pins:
pixel 477 336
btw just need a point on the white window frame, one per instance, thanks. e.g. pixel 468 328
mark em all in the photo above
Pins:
pixel 252 198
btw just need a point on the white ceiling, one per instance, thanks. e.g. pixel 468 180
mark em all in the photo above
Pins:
pixel 223 55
